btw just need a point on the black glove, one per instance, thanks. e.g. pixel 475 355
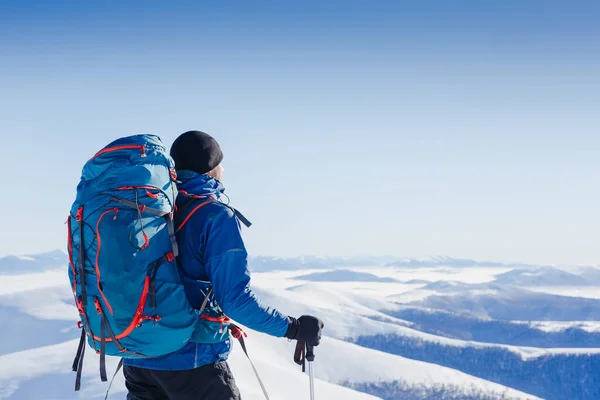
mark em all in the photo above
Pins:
pixel 306 329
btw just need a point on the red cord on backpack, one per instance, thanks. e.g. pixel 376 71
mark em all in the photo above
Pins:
pixel 237 332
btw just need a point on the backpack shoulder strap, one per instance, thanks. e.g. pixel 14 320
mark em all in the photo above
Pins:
pixel 189 208
pixel 194 203
pixel 239 215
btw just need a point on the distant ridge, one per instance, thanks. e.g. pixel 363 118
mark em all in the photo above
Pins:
pixel 445 261
pixel 22 264
pixel 57 258
pixel 344 275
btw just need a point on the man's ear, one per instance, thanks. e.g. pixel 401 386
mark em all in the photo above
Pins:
pixel 217 172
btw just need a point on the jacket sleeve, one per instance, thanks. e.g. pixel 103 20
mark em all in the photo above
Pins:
pixel 226 262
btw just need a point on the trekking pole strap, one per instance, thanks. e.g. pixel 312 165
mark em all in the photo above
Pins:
pixel 300 354
pixel 305 352
pixel 119 366
pixel 239 334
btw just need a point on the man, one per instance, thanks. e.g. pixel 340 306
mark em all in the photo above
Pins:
pixel 211 256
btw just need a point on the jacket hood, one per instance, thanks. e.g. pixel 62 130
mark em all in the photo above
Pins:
pixel 199 184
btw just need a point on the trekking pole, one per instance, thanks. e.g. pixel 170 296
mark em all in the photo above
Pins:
pixel 304 352
pixel 310 357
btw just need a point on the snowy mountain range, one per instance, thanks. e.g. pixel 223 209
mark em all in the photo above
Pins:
pixel 344 275
pixel 32 263
pixel 15 265
pixel 392 331
pixel 261 264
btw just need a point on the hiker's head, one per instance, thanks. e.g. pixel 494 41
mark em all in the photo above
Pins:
pixel 199 152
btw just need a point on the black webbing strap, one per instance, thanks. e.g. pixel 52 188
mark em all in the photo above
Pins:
pixel 152 291
pixel 153 270
pixel 87 328
pixel 78 362
pixel 80 350
pixel 112 336
pixel 171 229
pixel 103 377
pixel 187 205
pixel 241 217
pixel 140 208
pixel 153 211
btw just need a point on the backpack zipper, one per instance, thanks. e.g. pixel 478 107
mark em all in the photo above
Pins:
pixel 141 148
pixel 70 248
pixel 155 318
pixel 138 316
pixel 115 210
pixel 147 189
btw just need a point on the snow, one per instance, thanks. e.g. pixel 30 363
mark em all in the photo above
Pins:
pixel 338 361
pixel 45 373
pixel 587 292
pixel 40 368
pixel 19 283
pixel 343 275
pixel 541 277
pixel 21 264
pixel 557 326
pixel 26 258
pixel 348 314
pixel 51 365
pixel 432 274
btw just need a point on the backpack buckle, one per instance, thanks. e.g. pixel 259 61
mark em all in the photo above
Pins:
pixel 170 256
pixel 80 306
pixel 98 306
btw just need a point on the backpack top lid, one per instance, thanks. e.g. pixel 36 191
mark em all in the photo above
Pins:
pixel 138 160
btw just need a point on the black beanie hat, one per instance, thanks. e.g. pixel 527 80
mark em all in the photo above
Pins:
pixel 196 151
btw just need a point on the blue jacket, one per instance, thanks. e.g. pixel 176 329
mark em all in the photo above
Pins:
pixel 211 249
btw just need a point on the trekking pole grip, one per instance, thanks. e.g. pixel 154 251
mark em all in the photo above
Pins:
pixel 310 355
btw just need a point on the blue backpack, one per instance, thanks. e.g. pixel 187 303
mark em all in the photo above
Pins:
pixel 122 255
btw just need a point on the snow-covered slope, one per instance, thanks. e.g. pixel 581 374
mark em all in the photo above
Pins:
pixel 512 303
pixel 340 361
pixel 592 275
pixel 36 355
pixel 44 374
pixel 348 316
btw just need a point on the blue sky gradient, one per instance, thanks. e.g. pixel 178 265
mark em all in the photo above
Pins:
pixel 463 128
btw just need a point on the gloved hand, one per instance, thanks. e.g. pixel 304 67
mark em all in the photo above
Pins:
pixel 306 329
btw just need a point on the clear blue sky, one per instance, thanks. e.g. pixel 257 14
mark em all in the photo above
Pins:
pixel 464 128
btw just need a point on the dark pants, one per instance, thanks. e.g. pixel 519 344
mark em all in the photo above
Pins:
pixel 209 382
